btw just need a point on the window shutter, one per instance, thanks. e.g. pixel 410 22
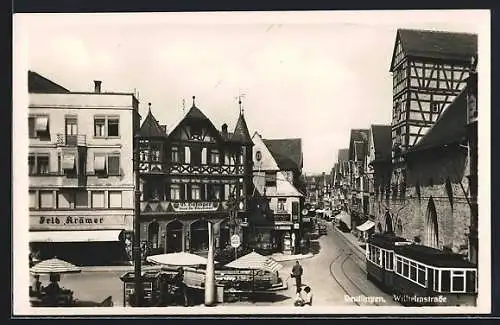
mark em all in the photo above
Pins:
pixel 114 165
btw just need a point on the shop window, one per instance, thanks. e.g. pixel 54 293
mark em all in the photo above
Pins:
pixel 115 199
pixel 98 199
pixel 445 281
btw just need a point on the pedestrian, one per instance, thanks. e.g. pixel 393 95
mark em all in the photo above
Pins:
pixel 297 274
pixel 299 302
pixel 179 281
pixel 308 296
pixel 37 285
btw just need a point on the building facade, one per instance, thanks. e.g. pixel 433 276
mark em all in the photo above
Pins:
pixel 277 165
pixel 81 184
pixel 359 196
pixel 192 176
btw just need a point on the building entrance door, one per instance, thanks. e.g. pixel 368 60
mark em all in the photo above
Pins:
pixel 174 237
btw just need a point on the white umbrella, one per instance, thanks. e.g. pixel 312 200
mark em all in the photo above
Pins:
pixel 178 259
pixel 54 265
pixel 255 261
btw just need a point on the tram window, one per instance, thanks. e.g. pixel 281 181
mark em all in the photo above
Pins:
pixel 406 268
pixel 398 265
pixel 391 260
pixel 458 281
pixel 436 280
pixel 384 258
pixel 470 282
pixel 413 271
pixel 445 281
pixel 421 275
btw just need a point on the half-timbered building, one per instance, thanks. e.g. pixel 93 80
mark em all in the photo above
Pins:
pixel 191 176
pixel 429 70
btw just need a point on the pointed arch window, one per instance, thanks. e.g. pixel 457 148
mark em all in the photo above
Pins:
pixel 431 225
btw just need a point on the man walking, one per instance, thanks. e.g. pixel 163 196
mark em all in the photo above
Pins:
pixel 297 274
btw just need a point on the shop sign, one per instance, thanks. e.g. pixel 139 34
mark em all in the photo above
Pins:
pixel 80 222
pixel 282 227
pixel 296 226
pixel 195 206
pixel 307 219
pixel 235 241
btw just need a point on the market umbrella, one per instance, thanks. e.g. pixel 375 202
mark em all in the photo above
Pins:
pixel 53 266
pixel 178 259
pixel 255 261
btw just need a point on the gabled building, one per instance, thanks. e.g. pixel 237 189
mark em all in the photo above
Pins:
pixel 277 164
pixel 358 149
pixel 81 181
pixel 378 170
pixel 203 175
pixel 429 69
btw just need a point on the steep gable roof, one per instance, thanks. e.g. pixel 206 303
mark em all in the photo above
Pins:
pixel 151 128
pixel 382 142
pixel 241 133
pixel 357 135
pixel 343 155
pixel 267 161
pixel 437 44
pixel 449 128
pixel 39 84
pixel 286 152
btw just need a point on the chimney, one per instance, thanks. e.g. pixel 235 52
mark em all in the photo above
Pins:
pixel 164 128
pixel 97 86
pixel 224 130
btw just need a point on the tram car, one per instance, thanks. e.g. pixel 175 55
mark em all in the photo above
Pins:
pixel 417 275
pixel 380 259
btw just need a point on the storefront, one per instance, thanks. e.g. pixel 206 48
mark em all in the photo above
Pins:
pixel 82 239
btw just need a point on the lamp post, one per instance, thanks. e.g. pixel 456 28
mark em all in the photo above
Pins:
pixel 137 240
pixel 210 270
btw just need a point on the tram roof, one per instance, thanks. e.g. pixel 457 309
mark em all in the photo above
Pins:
pixel 385 240
pixel 432 256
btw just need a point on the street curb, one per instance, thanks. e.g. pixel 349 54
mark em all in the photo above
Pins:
pixel 293 257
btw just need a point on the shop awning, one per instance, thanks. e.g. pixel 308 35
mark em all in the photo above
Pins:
pixel 75 236
pixel 366 226
pixel 68 162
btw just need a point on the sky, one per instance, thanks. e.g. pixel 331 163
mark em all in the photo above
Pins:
pixel 308 75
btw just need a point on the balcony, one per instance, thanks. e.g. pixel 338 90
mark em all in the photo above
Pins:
pixel 208 170
pixel 71 140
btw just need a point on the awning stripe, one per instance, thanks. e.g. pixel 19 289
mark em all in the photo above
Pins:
pixel 75 236
pixel 99 163
pixel 41 123
pixel 68 162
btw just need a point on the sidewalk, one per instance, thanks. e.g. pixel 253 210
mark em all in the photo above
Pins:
pixel 280 257
pixel 353 242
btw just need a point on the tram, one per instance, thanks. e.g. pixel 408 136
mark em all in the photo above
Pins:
pixel 417 275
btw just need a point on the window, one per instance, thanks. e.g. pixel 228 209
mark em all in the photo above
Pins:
pixel 195 192
pixel 436 281
pixel 175 154
pixel 470 281
pixel 216 192
pixel 434 107
pixel 32 195
pixel 413 271
pixel 155 153
pixel 421 276
pixel 113 127
pixel 99 126
pixel 406 268
pixel 281 204
pixel 46 200
pixel 458 281
pixel 175 192
pixel 399 265
pixel 214 157
pixel 32 164
pixel 115 199
pixel 270 178
pixel 38 126
pixel 445 281
pixel 42 164
pixel 114 164
pixel 391 261
pixel 65 200
pixel 98 199
pixel 82 199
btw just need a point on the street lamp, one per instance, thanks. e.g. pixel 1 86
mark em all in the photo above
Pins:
pixel 136 250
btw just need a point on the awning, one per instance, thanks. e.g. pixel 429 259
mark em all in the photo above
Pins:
pixel 68 162
pixel 41 123
pixel 99 163
pixel 75 236
pixel 366 226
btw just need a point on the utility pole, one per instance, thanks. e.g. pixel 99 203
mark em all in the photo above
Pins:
pixel 137 227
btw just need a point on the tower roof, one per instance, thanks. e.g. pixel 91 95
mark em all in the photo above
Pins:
pixel 150 127
pixel 241 133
